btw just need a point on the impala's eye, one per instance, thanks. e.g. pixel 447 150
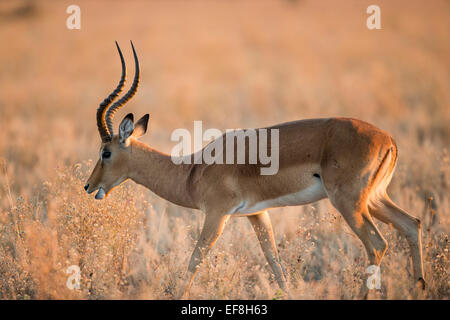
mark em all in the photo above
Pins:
pixel 106 154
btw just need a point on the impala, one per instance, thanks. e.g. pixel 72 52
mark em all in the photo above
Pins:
pixel 348 161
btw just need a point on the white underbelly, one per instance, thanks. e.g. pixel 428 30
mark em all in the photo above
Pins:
pixel 311 194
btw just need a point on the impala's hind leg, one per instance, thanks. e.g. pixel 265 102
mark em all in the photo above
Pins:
pixel 263 229
pixel 386 211
pixel 356 214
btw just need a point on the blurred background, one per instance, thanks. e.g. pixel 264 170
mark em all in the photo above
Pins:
pixel 231 64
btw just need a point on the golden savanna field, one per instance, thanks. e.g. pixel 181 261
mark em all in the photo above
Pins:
pixel 231 64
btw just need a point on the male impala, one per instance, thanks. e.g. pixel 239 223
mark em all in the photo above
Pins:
pixel 348 161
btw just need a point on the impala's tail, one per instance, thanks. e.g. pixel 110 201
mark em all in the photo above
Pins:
pixel 383 175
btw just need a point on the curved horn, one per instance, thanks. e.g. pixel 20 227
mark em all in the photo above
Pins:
pixel 118 104
pixel 105 135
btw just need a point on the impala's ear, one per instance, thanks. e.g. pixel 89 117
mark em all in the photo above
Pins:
pixel 126 128
pixel 141 126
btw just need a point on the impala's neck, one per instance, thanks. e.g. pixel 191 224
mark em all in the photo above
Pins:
pixel 156 171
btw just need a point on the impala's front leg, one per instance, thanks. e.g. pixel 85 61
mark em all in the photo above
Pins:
pixel 263 229
pixel 212 229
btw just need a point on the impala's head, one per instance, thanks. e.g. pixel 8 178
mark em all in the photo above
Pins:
pixel 112 167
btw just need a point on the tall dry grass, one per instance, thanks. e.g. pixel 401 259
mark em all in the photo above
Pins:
pixel 230 64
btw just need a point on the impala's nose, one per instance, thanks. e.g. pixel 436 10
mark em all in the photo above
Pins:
pixel 86 186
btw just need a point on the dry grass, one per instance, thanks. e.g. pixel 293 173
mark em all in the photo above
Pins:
pixel 234 64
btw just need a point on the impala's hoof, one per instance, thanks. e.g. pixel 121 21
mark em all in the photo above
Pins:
pixel 422 283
